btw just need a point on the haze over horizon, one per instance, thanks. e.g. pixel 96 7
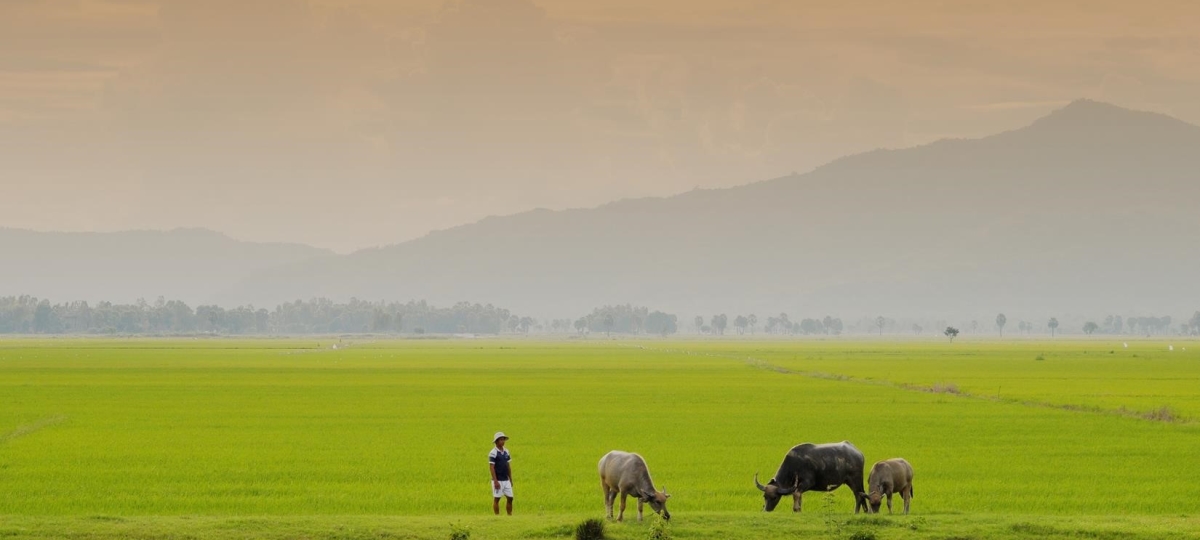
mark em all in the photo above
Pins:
pixel 346 124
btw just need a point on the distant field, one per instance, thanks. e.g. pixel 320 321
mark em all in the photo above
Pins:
pixel 1109 374
pixel 104 435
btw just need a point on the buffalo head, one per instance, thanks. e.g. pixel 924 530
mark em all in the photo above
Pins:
pixel 658 502
pixel 772 492
pixel 874 500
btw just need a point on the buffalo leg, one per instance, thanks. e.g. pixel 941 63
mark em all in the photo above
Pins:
pixel 856 484
pixel 907 496
pixel 889 495
pixel 796 501
pixel 640 503
pixel 621 516
pixel 609 498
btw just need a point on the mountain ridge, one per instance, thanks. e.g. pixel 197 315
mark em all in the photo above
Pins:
pixel 905 213
pixel 187 264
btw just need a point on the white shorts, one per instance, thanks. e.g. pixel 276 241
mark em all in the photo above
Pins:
pixel 505 489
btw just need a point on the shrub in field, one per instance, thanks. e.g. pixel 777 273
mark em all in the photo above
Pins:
pixel 590 529
pixel 659 529
pixel 459 531
pixel 864 534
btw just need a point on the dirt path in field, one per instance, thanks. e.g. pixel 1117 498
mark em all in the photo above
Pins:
pixel 26 429
pixel 1164 414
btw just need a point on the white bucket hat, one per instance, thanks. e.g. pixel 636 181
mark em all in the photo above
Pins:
pixel 498 435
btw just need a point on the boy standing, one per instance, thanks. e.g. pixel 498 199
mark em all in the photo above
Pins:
pixel 498 462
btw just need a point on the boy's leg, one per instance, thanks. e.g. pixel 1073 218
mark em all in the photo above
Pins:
pixel 509 506
pixel 496 505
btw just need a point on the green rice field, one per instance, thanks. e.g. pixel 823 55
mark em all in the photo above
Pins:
pixel 387 439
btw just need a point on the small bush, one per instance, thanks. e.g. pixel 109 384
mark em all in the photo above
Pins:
pixel 1162 414
pixel 459 532
pixel 1032 529
pixel 1040 358
pixel 590 529
pixel 659 530
pixel 865 534
pixel 945 388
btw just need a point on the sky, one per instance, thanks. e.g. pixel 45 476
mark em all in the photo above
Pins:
pixel 353 123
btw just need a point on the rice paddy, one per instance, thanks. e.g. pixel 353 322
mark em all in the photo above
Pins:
pixel 131 435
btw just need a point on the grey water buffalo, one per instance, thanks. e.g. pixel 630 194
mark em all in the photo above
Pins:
pixel 888 477
pixel 816 467
pixel 626 474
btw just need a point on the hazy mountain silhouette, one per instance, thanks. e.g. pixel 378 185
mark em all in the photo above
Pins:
pixel 1092 207
pixel 183 264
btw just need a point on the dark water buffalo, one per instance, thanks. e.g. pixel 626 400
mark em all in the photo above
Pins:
pixel 626 474
pixel 888 477
pixel 816 467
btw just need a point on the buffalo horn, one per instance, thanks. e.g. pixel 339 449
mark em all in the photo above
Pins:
pixel 756 482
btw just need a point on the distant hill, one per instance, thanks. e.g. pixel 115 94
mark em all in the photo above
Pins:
pixel 183 264
pixel 1093 207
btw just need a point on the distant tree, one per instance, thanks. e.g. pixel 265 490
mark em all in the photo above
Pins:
pixel 741 322
pixel 1001 320
pixel 636 322
pixel 581 325
pixel 661 323
pixel 609 321
pixel 1053 324
pixel 833 325
pixel 699 322
pixel 753 321
pixel 1090 327
pixel 916 328
pixel 1194 323
pixel 718 324
pixel 880 321
pixel 974 326
pixel 951 332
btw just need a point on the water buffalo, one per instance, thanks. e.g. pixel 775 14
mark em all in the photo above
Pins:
pixel 816 467
pixel 627 474
pixel 888 477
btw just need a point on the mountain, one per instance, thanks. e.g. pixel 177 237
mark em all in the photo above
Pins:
pixel 1091 208
pixel 183 264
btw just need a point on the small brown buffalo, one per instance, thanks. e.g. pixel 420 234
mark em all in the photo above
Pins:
pixel 626 474
pixel 888 477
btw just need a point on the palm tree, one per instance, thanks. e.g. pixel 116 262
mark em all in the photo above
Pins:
pixel 1053 324
pixel 1001 320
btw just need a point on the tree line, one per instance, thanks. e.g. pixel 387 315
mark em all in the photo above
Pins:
pixel 622 319
pixel 30 315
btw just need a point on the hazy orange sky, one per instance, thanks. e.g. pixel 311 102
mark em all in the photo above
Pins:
pixel 351 123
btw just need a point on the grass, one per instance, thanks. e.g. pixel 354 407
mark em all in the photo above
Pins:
pixel 702 526
pixel 279 438
pixel 1096 373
